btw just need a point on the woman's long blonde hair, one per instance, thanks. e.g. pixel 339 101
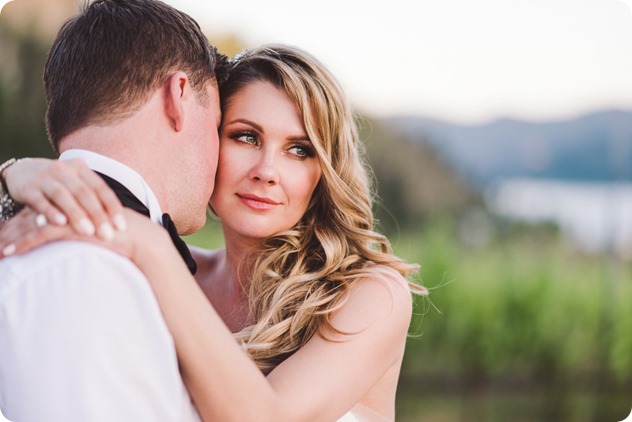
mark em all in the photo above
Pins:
pixel 300 277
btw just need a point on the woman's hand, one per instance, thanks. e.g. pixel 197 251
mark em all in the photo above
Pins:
pixel 142 242
pixel 66 191
pixel 29 229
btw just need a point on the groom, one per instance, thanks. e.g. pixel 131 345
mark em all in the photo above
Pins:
pixel 131 88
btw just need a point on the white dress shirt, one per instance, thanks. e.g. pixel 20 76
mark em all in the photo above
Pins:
pixel 81 333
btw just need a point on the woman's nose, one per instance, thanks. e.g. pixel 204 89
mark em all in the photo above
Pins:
pixel 265 170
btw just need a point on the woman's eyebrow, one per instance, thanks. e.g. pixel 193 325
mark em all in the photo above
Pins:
pixel 247 122
pixel 303 138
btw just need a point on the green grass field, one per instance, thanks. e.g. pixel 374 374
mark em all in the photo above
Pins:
pixel 525 326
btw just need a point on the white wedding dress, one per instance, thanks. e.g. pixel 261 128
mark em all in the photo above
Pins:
pixel 349 417
pixel 361 413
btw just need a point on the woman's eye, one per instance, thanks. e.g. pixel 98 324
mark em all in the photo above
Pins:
pixel 245 137
pixel 302 151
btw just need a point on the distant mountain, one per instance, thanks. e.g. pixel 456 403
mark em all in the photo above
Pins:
pixel 593 147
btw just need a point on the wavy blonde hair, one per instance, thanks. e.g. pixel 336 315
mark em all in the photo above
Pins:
pixel 300 277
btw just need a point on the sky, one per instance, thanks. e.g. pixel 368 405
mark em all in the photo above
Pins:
pixel 467 61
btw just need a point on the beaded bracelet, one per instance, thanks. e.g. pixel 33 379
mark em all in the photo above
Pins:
pixel 8 206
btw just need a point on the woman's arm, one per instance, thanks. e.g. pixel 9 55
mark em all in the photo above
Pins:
pixel 321 381
pixel 65 191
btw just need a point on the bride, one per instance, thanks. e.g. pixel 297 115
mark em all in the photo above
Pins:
pixel 304 314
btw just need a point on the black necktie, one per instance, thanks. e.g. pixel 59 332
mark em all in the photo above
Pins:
pixel 128 200
pixel 180 244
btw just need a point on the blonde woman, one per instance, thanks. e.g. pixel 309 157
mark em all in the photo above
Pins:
pixel 303 315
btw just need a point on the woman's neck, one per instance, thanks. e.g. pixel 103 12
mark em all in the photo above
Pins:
pixel 226 283
pixel 239 257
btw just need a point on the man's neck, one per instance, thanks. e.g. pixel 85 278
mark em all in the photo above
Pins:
pixel 127 147
pixel 120 174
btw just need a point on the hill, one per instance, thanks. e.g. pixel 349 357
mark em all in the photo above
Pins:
pixel 593 147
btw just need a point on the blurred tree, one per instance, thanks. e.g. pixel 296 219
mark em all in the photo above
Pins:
pixel 27 28
pixel 40 19
pixel 228 44
pixel 22 105
pixel 413 182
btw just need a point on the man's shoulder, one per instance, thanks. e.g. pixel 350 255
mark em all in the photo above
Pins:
pixel 64 262
pixel 68 254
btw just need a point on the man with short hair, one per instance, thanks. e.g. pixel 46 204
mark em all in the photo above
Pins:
pixel 131 88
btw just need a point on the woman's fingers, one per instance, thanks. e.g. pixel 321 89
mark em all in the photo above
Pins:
pixel 22 179
pixel 38 202
pixel 68 191
pixel 111 208
pixel 9 235
pixel 99 210
pixel 39 237
pixel 28 230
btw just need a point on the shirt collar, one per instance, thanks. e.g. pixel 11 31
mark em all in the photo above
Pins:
pixel 122 174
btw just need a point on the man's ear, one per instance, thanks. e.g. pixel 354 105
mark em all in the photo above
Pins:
pixel 178 91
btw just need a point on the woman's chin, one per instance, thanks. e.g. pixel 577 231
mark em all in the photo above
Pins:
pixel 252 232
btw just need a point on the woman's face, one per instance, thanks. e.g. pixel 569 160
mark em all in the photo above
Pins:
pixel 267 168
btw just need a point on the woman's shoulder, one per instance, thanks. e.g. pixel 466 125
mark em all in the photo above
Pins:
pixel 386 283
pixel 380 297
pixel 388 275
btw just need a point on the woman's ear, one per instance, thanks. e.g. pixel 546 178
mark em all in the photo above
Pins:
pixel 178 91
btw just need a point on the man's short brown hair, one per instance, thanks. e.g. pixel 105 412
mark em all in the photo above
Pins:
pixel 107 60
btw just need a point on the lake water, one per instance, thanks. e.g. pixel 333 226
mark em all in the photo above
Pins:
pixel 595 216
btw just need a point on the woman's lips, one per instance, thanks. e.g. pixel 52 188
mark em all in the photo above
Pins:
pixel 257 202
